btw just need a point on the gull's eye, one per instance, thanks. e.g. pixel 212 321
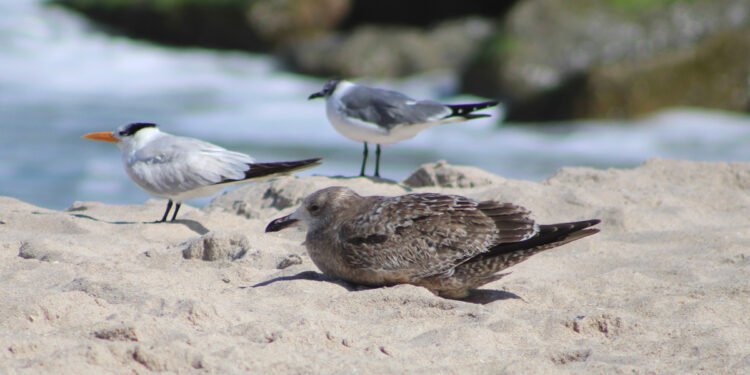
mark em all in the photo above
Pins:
pixel 314 208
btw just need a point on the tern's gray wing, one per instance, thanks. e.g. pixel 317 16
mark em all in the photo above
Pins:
pixel 429 234
pixel 390 108
pixel 172 164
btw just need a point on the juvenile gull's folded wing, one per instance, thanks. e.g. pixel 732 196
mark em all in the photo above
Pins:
pixel 428 234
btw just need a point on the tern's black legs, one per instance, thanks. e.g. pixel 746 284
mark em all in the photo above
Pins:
pixel 377 161
pixel 169 207
pixel 176 208
pixel 364 161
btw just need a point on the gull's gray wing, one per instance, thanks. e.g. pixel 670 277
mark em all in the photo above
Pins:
pixel 429 234
pixel 390 108
pixel 172 164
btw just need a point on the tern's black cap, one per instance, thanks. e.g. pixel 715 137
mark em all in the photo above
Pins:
pixel 133 128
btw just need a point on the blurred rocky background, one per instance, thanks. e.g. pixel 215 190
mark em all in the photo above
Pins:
pixel 548 60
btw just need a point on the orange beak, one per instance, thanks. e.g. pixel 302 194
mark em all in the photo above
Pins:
pixel 101 136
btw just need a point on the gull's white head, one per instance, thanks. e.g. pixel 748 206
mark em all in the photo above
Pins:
pixel 317 210
pixel 327 90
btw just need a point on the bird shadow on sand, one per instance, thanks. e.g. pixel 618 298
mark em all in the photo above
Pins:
pixel 190 224
pixel 82 216
pixel 317 276
pixel 310 275
pixel 486 296
pixel 476 296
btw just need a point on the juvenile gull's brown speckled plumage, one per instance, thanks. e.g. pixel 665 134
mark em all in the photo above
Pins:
pixel 446 243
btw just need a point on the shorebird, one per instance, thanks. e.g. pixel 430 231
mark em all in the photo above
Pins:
pixel 368 114
pixel 448 244
pixel 180 168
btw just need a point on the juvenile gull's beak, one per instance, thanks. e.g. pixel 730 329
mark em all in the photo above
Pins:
pixel 101 136
pixel 281 223
pixel 314 95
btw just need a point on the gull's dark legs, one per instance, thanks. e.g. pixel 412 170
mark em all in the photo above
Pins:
pixel 364 161
pixel 169 207
pixel 176 208
pixel 377 161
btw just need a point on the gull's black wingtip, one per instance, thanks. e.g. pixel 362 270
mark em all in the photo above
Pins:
pixel 466 110
pixel 591 223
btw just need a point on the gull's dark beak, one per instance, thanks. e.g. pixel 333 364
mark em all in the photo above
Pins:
pixel 318 94
pixel 280 223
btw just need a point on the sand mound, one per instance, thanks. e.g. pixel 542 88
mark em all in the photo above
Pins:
pixel 663 288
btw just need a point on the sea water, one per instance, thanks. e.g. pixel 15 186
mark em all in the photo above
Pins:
pixel 60 77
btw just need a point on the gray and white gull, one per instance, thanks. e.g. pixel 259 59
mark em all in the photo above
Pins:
pixel 368 114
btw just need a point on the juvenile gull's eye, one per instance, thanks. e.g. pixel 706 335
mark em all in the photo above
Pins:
pixel 314 208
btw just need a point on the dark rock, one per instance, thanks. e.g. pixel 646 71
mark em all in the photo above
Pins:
pixel 421 13
pixel 382 39
pixel 276 21
pixel 219 24
pixel 367 51
pixel 565 59
pixel 388 51
pixel 713 74
pixel 254 25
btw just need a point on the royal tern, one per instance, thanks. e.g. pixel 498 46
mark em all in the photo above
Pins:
pixel 448 244
pixel 181 168
pixel 367 114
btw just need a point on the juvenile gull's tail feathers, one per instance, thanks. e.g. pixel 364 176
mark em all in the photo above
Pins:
pixel 484 268
pixel 549 236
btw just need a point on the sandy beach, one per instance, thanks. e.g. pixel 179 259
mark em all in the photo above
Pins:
pixel 663 289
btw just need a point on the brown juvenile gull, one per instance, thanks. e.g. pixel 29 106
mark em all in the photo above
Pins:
pixel 448 244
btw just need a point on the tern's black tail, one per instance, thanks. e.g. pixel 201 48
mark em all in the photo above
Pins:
pixel 260 170
pixel 281 167
pixel 465 110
